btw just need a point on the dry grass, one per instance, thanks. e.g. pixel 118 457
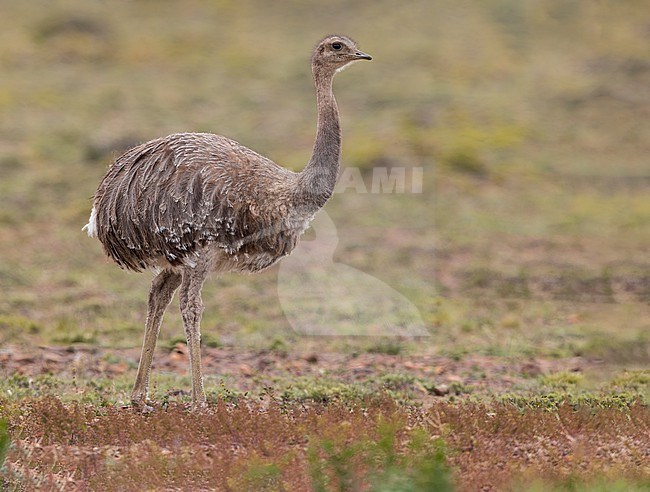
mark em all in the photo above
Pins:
pixel 268 445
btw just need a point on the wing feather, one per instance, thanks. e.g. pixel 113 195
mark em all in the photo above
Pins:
pixel 171 197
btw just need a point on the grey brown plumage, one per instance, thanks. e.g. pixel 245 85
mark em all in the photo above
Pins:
pixel 193 203
pixel 170 198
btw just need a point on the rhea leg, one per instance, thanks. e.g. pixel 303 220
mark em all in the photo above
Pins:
pixel 162 290
pixel 192 310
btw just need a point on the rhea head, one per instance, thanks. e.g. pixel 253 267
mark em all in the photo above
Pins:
pixel 335 52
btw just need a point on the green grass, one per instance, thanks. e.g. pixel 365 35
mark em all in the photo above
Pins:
pixel 496 139
pixel 547 390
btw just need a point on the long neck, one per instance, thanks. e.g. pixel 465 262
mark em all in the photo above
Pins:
pixel 318 178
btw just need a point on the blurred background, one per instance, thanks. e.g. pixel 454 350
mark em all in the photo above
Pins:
pixel 529 119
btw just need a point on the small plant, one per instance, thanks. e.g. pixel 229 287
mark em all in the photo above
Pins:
pixel 383 462
pixel 332 464
pixel 5 441
pixel 278 345
pixel 465 160
pixel 638 381
pixel 562 380
pixel 257 474
pixel 387 346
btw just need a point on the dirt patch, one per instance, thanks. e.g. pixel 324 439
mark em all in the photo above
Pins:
pixel 251 370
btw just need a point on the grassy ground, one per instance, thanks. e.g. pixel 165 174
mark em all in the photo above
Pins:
pixel 377 445
pixel 525 254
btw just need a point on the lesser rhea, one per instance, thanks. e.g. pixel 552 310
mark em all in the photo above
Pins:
pixel 193 203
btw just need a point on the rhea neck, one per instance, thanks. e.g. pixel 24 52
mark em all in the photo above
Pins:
pixel 318 178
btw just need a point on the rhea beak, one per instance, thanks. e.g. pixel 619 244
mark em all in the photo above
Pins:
pixel 360 55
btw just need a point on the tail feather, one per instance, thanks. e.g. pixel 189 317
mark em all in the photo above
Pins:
pixel 91 226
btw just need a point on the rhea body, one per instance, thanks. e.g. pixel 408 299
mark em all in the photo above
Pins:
pixel 190 204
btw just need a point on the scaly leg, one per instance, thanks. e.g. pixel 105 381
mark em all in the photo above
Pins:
pixel 162 290
pixel 192 310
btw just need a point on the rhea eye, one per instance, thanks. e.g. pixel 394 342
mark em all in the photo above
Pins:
pixel 337 46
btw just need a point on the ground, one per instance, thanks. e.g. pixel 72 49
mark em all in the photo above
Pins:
pixel 521 255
